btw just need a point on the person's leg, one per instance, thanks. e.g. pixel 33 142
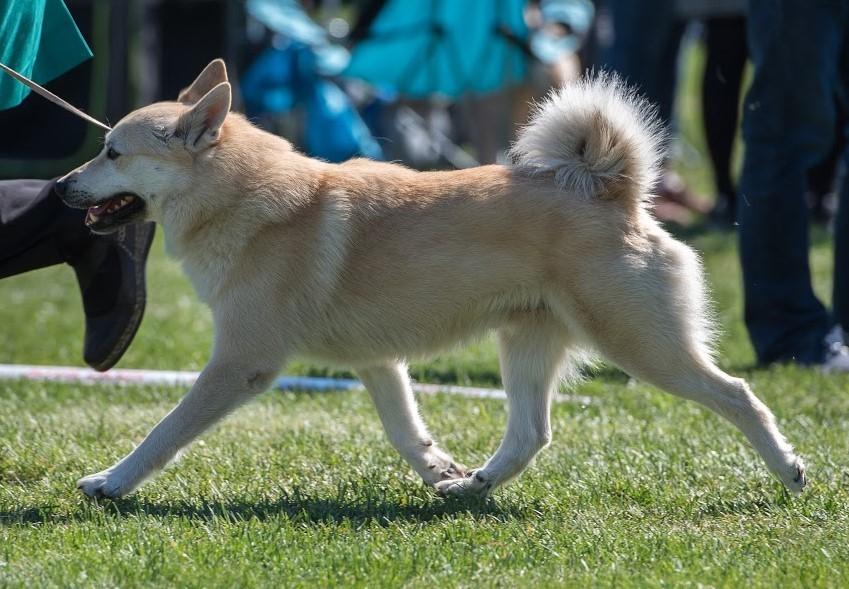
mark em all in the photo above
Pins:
pixel 38 230
pixel 643 48
pixel 726 57
pixel 788 126
pixel 840 296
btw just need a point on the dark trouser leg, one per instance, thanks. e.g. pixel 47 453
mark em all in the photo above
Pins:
pixel 644 51
pixel 726 57
pixel 840 295
pixel 788 126
pixel 36 228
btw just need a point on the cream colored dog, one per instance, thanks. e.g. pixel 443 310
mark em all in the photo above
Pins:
pixel 369 264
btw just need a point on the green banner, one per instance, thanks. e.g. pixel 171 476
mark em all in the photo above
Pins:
pixel 40 40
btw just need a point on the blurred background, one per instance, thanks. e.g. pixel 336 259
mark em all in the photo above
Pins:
pixel 435 84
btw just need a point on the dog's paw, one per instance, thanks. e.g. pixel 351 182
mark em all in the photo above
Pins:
pixel 103 484
pixel 439 466
pixel 474 484
pixel 794 476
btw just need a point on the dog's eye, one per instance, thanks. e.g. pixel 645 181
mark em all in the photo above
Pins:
pixel 112 154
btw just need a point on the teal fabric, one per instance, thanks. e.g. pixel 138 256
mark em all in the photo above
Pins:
pixel 39 39
pixel 448 47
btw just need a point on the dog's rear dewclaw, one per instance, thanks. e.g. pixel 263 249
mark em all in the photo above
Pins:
pixel 598 138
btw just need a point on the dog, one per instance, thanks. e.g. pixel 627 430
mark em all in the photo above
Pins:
pixel 368 264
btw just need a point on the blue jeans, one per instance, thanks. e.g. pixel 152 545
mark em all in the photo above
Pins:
pixel 800 53
pixel 646 35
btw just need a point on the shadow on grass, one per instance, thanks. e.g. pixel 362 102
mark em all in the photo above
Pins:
pixel 297 507
pixel 313 510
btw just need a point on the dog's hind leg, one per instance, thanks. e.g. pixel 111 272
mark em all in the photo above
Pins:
pixel 532 352
pixel 649 322
pixel 693 378
pixel 389 387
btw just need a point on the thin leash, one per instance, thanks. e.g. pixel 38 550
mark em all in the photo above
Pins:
pixel 52 97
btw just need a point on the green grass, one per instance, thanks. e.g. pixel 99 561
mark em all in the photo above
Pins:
pixel 637 489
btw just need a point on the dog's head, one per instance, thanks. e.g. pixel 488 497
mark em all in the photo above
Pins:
pixel 147 158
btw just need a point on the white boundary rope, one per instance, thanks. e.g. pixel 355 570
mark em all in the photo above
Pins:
pixel 175 378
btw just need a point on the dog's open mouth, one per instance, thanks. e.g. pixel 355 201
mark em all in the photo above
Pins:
pixel 117 210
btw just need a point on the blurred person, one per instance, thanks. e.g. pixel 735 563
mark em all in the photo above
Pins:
pixel 557 31
pixel 484 62
pixel 724 23
pixel 640 41
pixel 36 228
pixel 800 53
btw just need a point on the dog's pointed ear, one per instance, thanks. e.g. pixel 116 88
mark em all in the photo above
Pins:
pixel 199 127
pixel 212 75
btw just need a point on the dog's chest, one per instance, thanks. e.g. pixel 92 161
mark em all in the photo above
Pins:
pixel 206 271
pixel 207 259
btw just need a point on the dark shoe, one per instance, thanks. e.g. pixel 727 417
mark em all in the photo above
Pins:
pixel 111 275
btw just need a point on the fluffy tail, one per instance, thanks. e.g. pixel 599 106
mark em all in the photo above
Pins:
pixel 598 137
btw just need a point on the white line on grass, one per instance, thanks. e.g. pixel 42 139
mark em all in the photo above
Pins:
pixel 184 378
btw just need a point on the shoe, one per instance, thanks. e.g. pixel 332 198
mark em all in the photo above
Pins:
pixel 111 276
pixel 836 353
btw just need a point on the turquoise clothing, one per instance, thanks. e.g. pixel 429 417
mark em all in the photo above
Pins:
pixel 40 40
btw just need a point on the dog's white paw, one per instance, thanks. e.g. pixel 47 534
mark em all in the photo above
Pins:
pixel 105 483
pixel 475 484
pixel 439 466
pixel 794 476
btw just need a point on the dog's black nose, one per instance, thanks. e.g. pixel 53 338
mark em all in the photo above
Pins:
pixel 59 187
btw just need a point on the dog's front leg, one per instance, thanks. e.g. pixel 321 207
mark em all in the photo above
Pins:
pixel 221 387
pixel 532 353
pixel 389 387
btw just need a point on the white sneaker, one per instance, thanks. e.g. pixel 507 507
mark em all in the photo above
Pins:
pixel 835 336
pixel 836 353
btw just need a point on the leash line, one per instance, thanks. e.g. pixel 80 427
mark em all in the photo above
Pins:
pixel 52 97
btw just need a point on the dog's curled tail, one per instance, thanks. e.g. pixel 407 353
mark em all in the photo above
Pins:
pixel 597 136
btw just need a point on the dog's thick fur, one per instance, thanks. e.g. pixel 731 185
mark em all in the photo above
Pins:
pixel 369 264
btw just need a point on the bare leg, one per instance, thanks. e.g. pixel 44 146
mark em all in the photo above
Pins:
pixel 389 387
pixel 532 353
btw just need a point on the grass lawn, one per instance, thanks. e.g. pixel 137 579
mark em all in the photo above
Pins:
pixel 637 489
